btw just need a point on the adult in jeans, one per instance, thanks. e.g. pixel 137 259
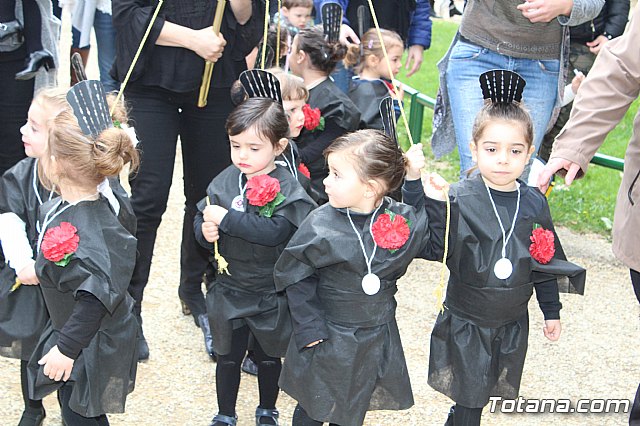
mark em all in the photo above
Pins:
pixel 95 14
pixel 586 41
pixel 409 18
pixel 530 38
pixel 602 101
pixel 162 95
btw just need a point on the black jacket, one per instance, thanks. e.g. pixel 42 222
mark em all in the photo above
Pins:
pixel 611 22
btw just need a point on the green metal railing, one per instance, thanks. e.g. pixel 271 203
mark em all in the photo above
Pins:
pixel 416 119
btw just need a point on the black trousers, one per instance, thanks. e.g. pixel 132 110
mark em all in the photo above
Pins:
pixel 15 100
pixel 160 117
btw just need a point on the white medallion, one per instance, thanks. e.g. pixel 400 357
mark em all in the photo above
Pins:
pixel 237 203
pixel 503 268
pixel 370 284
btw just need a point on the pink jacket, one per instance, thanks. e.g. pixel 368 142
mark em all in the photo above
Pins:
pixel 602 101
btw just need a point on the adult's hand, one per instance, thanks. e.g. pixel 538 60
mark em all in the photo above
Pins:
pixel 553 166
pixel 414 59
pixel 207 44
pixel 596 45
pixel 545 10
pixel 348 36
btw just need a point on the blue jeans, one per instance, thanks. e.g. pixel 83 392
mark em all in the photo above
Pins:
pixel 467 61
pixel 106 39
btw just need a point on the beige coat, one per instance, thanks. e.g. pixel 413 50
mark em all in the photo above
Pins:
pixel 602 101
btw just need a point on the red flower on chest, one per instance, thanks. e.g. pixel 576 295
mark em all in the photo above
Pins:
pixel 391 231
pixel 302 168
pixel 542 246
pixel 59 243
pixel 263 191
pixel 313 119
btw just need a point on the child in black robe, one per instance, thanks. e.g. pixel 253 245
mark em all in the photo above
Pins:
pixel 330 113
pixel 373 81
pixel 504 248
pixel 85 260
pixel 251 210
pixel 340 270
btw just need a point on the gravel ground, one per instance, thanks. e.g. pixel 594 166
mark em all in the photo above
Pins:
pixel 596 357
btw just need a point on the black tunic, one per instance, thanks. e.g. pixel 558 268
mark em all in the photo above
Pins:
pixel 479 342
pixel 247 295
pixel 341 116
pixel 366 95
pixel 290 159
pixel 360 366
pixel 104 373
pixel 23 314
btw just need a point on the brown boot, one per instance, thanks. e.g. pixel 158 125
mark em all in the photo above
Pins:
pixel 84 53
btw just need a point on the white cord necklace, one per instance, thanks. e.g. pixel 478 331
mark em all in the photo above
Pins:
pixel 238 201
pixel 34 184
pixel 370 282
pixel 503 267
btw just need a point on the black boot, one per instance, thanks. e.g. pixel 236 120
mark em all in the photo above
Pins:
pixel 32 417
pixel 143 347
pixel 449 421
pixel 203 321
pixel 37 59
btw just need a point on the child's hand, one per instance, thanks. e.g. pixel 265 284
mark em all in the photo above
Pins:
pixel 576 82
pixel 552 329
pixel 415 161
pixel 312 344
pixel 433 185
pixel 210 231
pixel 214 213
pixel 27 275
pixel 56 365
pixel 397 94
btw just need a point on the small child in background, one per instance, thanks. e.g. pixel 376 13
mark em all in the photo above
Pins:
pixel 330 113
pixel 373 82
pixel 252 209
pixel 505 246
pixel 294 15
pixel 294 99
pixel 84 264
pixel 340 271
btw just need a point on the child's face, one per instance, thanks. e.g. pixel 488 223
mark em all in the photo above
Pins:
pixel 35 133
pixel 395 57
pixel 344 187
pixel 293 109
pixel 253 154
pixel 298 16
pixel 501 154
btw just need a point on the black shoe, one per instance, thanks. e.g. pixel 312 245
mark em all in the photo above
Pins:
pixel 7 29
pixel 143 346
pixel 37 59
pixel 267 417
pixel 203 321
pixel 222 420
pixel 249 366
pixel 32 417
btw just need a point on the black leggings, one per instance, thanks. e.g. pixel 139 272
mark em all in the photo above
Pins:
pixel 70 417
pixel 301 418
pixel 29 404
pixel 228 374
pixel 464 416
pixel 634 415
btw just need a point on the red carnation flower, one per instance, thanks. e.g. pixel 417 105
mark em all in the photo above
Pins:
pixel 263 191
pixel 542 246
pixel 60 243
pixel 313 119
pixel 302 168
pixel 391 231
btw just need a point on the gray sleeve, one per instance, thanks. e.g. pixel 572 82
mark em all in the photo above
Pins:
pixel 582 11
